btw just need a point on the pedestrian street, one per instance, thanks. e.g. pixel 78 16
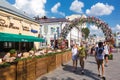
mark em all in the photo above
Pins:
pixel 65 72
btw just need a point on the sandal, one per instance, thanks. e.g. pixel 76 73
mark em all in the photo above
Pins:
pixel 103 78
pixel 99 75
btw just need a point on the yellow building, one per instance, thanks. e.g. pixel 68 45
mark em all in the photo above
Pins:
pixel 17 29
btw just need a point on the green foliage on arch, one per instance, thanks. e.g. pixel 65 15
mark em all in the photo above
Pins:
pixel 86 32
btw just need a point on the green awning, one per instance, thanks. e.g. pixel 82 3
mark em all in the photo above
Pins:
pixel 19 38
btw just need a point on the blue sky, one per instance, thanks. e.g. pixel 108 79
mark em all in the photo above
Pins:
pixel 106 10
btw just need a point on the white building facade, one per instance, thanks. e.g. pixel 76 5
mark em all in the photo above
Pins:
pixel 51 29
pixel 117 39
pixel 75 35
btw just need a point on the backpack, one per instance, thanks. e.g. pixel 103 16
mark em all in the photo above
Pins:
pixel 99 51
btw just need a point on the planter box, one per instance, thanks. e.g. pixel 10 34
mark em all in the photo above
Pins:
pixel 21 70
pixel 30 66
pixel 41 66
pixel 31 69
pixel 69 56
pixel 58 60
pixel 64 58
pixel 51 65
pixel 8 73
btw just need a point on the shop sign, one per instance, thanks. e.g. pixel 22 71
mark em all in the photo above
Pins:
pixel 34 31
pixel 11 25
pixel 25 28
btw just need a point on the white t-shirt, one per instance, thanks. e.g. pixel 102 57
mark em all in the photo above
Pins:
pixel 74 51
pixel 106 49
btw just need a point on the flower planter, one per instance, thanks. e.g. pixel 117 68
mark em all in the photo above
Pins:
pixel 69 56
pixel 21 70
pixel 58 60
pixel 41 66
pixel 8 73
pixel 51 65
pixel 66 56
pixel 31 68
pixel 110 57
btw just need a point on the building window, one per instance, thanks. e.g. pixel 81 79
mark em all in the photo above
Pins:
pixel 7 44
pixel 52 30
pixel 46 29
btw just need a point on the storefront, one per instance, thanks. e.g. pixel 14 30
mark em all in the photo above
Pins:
pixel 17 30
pixel 19 42
pixel 59 44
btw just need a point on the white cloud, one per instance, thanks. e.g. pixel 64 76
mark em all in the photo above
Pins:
pixel 31 7
pixel 61 13
pixel 94 30
pixel 116 28
pixel 54 9
pixel 93 27
pixel 100 9
pixel 77 6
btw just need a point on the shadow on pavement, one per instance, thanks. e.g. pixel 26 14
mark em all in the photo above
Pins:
pixel 55 78
pixel 87 73
pixel 92 62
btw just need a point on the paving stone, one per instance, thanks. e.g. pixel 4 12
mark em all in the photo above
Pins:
pixel 112 72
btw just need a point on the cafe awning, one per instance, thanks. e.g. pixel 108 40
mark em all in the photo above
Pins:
pixel 19 38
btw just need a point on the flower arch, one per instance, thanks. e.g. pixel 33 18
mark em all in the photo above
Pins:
pixel 99 23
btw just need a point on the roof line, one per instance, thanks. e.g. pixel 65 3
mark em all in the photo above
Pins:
pixel 20 15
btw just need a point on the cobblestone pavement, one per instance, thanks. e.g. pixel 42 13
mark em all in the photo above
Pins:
pixel 112 72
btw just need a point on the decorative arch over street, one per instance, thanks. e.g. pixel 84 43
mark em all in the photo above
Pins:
pixel 91 20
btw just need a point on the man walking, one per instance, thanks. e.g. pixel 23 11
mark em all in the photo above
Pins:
pixel 82 56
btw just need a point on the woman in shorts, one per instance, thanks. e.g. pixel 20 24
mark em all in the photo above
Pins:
pixel 99 55
pixel 74 57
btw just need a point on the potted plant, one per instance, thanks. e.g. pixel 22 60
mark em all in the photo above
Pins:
pixel 110 57
pixel 13 53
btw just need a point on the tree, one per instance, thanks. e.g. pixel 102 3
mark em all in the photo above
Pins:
pixel 86 32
